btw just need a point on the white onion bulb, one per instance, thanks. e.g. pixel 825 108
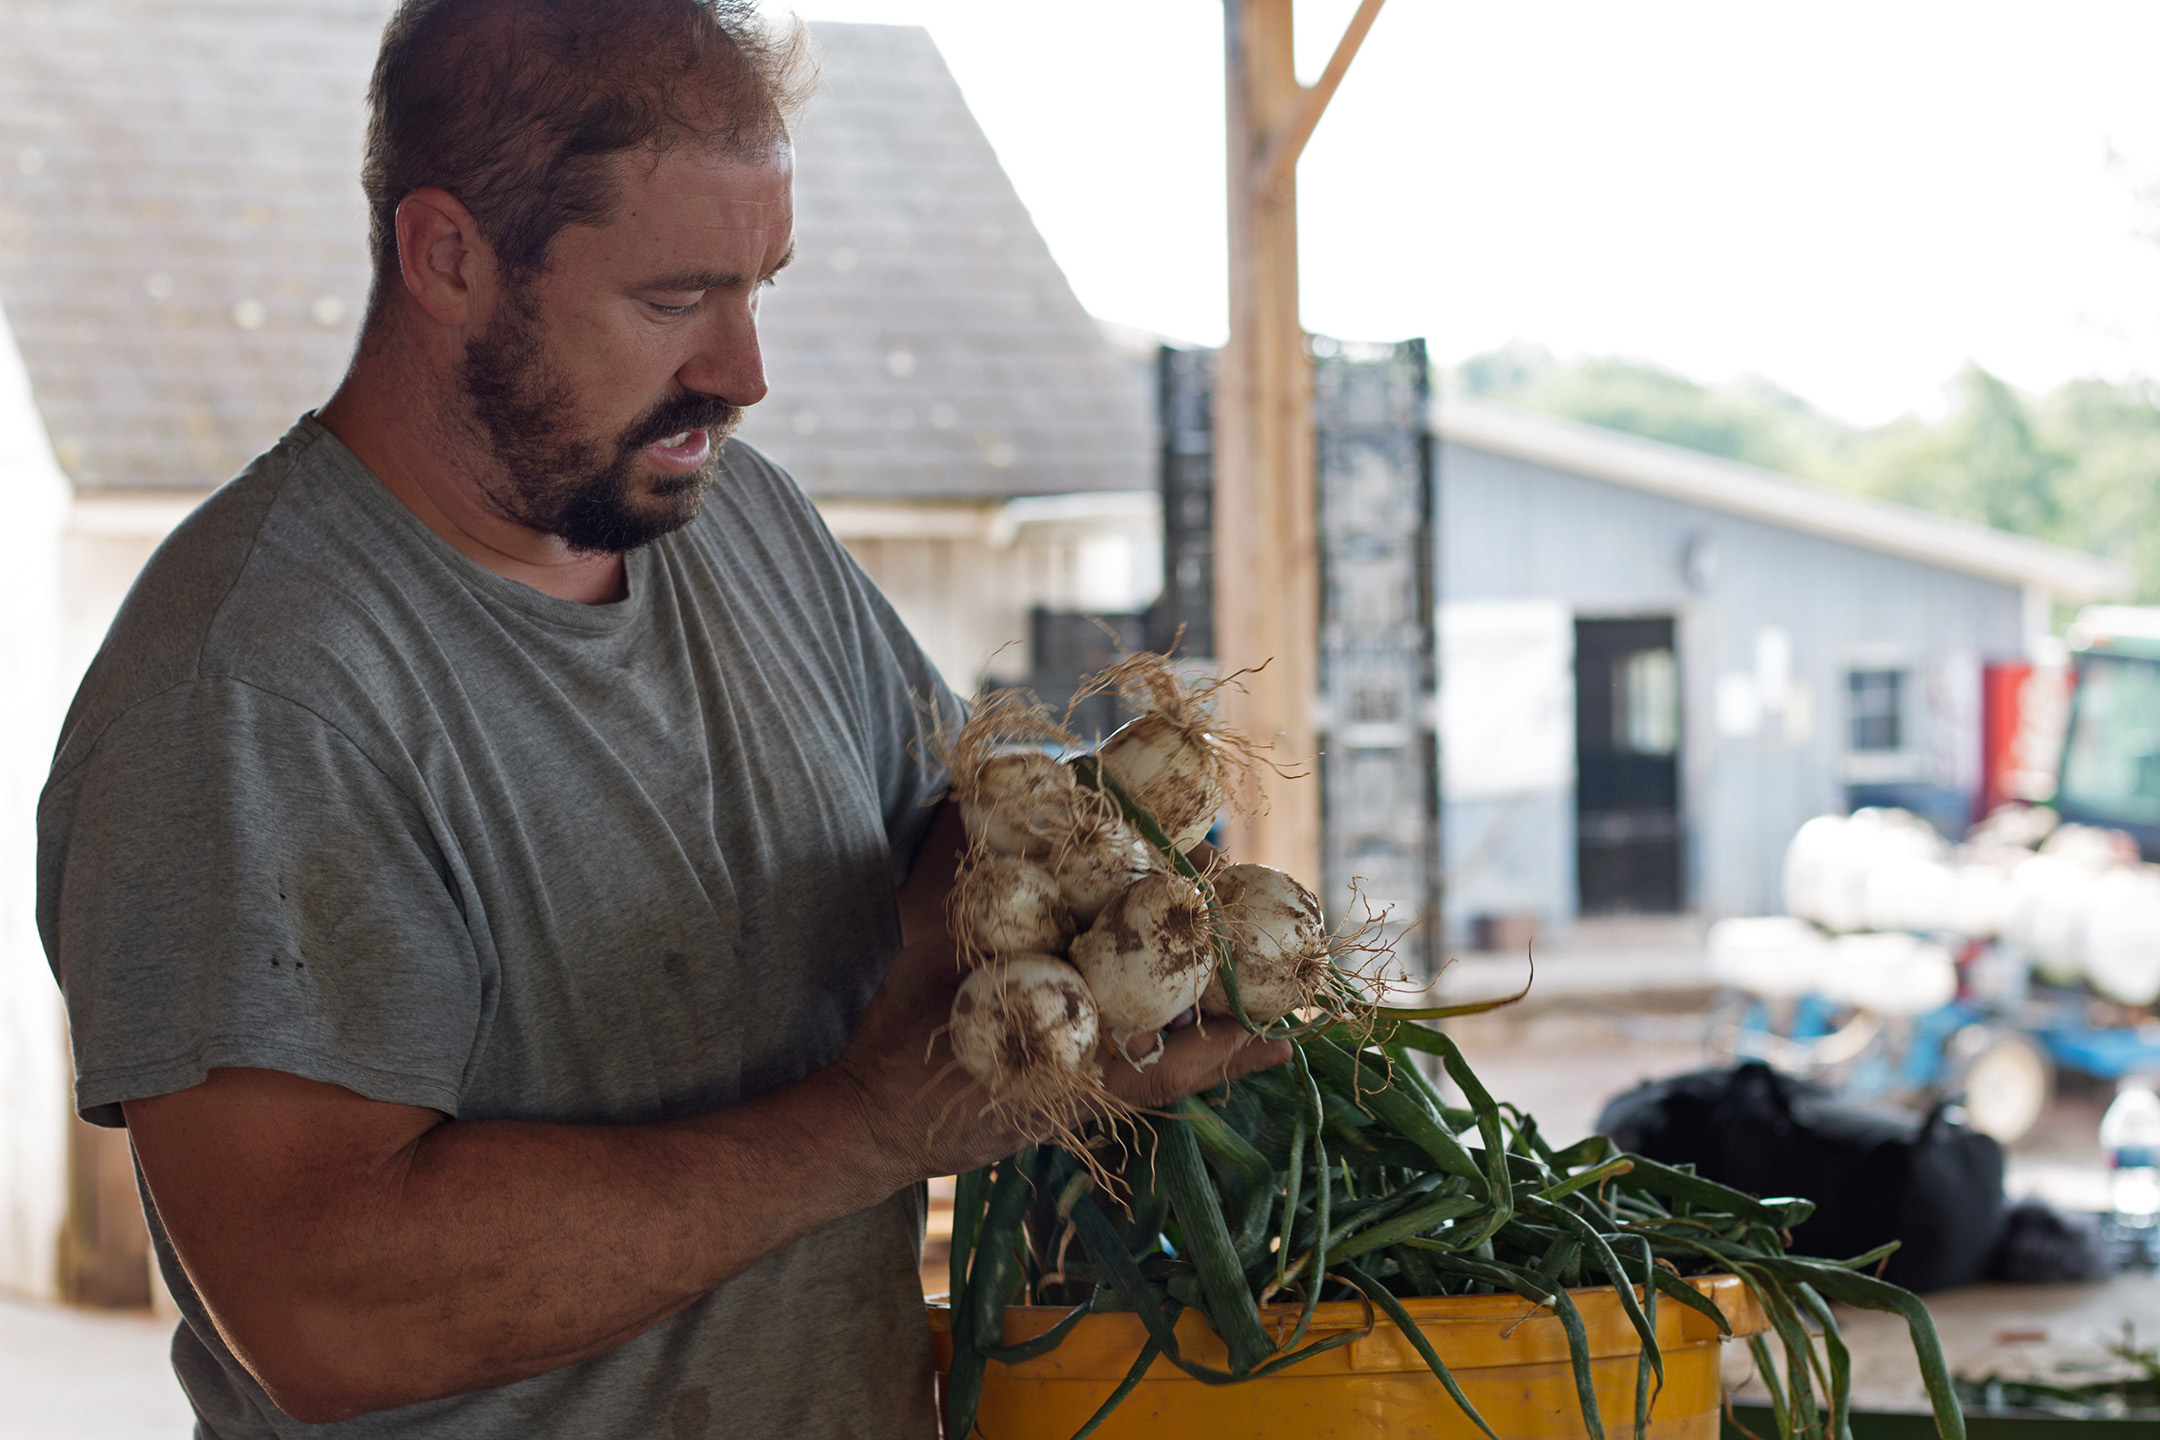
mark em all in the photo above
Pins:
pixel 1025 1025
pixel 1019 803
pixel 1002 904
pixel 1278 942
pixel 1149 954
pixel 1174 772
pixel 1101 857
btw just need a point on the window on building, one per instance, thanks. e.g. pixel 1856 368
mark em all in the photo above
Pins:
pixel 1876 705
pixel 1646 712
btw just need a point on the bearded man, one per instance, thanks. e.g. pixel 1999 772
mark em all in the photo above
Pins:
pixel 492 864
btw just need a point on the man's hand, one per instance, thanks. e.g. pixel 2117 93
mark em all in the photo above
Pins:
pixel 924 1114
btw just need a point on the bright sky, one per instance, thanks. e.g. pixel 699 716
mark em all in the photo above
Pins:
pixel 1852 197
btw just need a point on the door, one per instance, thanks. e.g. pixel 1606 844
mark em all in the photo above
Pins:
pixel 1627 766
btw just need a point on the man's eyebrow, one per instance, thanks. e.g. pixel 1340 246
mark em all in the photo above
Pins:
pixel 711 279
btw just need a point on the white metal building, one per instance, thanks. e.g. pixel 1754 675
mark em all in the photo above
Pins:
pixel 1656 664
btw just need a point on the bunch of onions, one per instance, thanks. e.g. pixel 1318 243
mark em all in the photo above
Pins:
pixel 1075 929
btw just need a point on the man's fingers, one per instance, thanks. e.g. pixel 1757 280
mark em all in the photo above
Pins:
pixel 922 897
pixel 1192 1061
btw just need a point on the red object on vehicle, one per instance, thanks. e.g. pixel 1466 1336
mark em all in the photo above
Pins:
pixel 2023 710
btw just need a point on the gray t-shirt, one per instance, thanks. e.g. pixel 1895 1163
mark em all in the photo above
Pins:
pixel 334 800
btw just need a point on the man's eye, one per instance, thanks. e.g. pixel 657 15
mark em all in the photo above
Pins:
pixel 671 311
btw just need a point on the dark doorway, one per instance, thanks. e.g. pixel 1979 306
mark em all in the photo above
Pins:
pixel 1627 766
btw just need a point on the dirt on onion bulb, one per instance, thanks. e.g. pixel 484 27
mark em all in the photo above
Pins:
pixel 1173 769
pixel 1019 803
pixel 1026 1026
pixel 1149 954
pixel 1101 857
pixel 1278 943
pixel 1002 904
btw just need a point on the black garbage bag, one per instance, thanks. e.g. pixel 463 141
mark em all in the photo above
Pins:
pixel 2042 1245
pixel 1874 1176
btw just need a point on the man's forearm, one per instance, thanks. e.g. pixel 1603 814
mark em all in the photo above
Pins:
pixel 487 1251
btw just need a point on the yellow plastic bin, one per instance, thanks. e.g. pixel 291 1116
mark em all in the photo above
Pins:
pixel 1511 1360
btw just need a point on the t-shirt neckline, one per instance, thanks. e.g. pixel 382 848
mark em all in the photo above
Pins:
pixel 572 614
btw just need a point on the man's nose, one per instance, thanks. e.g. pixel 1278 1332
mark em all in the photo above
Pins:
pixel 729 363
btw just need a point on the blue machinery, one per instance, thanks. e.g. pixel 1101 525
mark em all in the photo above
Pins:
pixel 1964 1046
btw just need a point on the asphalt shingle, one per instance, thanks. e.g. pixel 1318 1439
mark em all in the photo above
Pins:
pixel 183 251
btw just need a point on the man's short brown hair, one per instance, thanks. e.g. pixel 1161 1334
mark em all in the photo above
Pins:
pixel 516 106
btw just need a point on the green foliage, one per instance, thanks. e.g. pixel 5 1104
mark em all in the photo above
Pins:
pixel 1748 420
pixel 2109 490
pixel 1989 462
pixel 2079 466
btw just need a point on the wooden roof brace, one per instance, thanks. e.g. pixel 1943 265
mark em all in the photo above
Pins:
pixel 1284 147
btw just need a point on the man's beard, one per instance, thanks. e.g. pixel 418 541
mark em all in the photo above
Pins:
pixel 567 485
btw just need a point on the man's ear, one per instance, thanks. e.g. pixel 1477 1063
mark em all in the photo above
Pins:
pixel 449 270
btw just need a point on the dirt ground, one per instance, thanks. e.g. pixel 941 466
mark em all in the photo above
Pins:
pixel 87 1375
pixel 1560 1063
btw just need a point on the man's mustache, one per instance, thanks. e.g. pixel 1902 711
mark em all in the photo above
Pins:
pixel 679 414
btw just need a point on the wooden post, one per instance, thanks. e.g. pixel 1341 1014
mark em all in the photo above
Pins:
pixel 104 1242
pixel 1267 572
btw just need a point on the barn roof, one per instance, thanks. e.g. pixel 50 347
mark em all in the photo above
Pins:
pixel 1775 499
pixel 924 343
pixel 183 251
pixel 183 259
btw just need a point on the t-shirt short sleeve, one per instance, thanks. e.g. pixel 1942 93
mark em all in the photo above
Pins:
pixel 231 881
